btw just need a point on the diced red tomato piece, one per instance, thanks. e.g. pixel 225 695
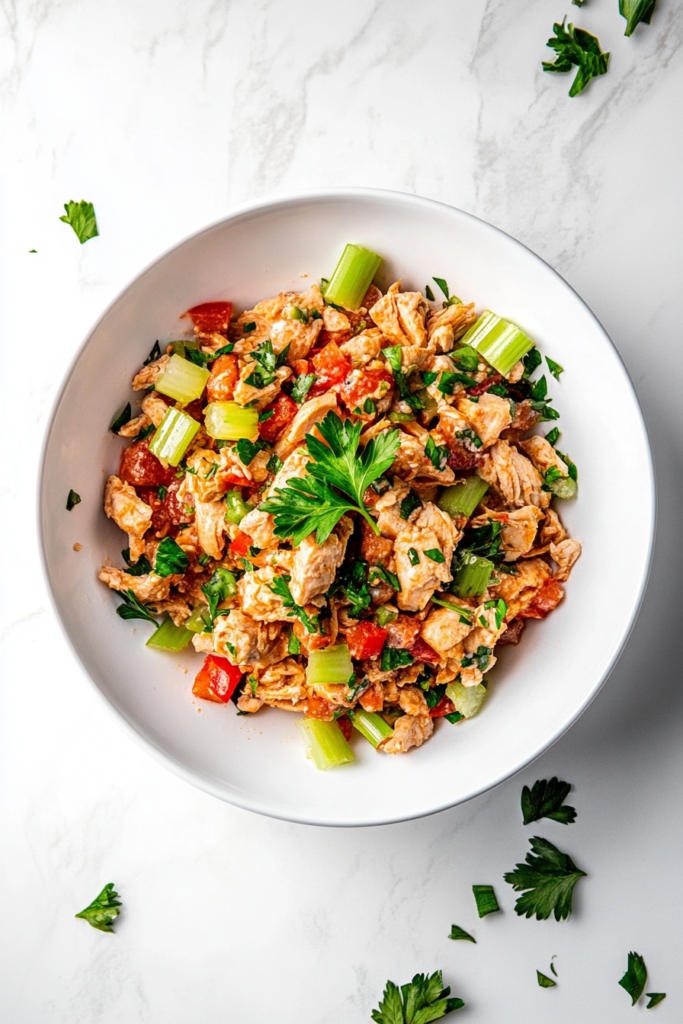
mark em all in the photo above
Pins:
pixel 141 468
pixel 210 316
pixel 240 546
pixel 365 640
pixel 421 651
pixel 301 366
pixel 346 726
pixel 220 387
pixel 547 599
pixel 355 390
pixel 444 707
pixel 217 679
pixel 331 367
pixel 284 410
pixel 402 632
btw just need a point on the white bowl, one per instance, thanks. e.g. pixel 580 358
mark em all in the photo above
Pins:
pixel 537 690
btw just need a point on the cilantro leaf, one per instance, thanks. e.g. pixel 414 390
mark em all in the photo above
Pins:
pixel 459 933
pixel 123 417
pixel 395 657
pixel 550 877
pixel 554 367
pixel 576 48
pixel 221 586
pixel 636 11
pixel 544 981
pixel 485 898
pixel 170 558
pixel 654 997
pixel 103 910
pixel 421 1001
pixel 546 800
pixel 635 977
pixel 72 500
pixel 134 609
pixel 81 217
pixel 280 586
pixel 302 385
pixel 309 504
pixel 437 454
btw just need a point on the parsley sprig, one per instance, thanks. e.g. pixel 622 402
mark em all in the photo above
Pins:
pixel 549 876
pixel 546 800
pixel 334 483
pixel 576 48
pixel 132 608
pixel 424 999
pixel 267 362
pixel 103 910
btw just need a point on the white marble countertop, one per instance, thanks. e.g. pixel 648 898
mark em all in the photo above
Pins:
pixel 164 116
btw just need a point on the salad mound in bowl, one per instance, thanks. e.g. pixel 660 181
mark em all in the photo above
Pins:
pixel 347 498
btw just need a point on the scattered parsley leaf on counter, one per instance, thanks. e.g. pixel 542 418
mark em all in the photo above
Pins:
pixel 636 11
pixel 654 997
pixel 550 877
pixel 123 417
pixel 554 367
pixel 546 800
pixel 280 586
pixel 422 1000
pixel 544 981
pixel 310 504
pixel 635 977
pixel 103 910
pixel 134 609
pixel 72 500
pixel 302 385
pixel 485 899
pixel 170 558
pixel 459 933
pixel 81 217
pixel 221 586
pixel 576 48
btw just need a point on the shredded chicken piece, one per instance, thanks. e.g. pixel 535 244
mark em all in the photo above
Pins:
pixel 412 701
pixel 154 407
pixel 447 325
pixel 543 455
pixel 150 374
pixel 309 414
pixel 565 555
pixel 260 527
pixel 246 642
pixel 364 347
pixel 285 681
pixel 245 393
pixel 513 476
pixel 129 512
pixel 432 530
pixel 519 591
pixel 487 417
pixel 409 731
pixel 443 630
pixel 178 609
pixel 299 336
pixel 412 462
pixel 148 588
pixel 133 427
pixel 401 317
pixel 258 600
pixel 315 565
pixel 519 529
pixel 210 524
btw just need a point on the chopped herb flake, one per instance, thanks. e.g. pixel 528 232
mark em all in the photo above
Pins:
pixel 459 933
pixel 576 48
pixel 554 367
pixel 635 977
pixel 544 981
pixel 550 877
pixel 81 217
pixel 103 910
pixel 302 385
pixel 485 899
pixel 546 800
pixel 72 500
pixel 119 421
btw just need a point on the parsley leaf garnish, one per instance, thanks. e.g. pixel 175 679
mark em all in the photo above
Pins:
pixel 103 910
pixel 636 11
pixel 123 417
pixel 409 504
pixel 395 657
pixel 576 48
pixel 550 877
pixel 544 981
pixel 485 899
pixel 442 285
pixel 532 360
pixel 635 977
pixel 311 503
pixel 221 586
pixel 72 500
pixel 394 356
pixel 248 450
pixel 654 997
pixel 429 293
pixel 554 367
pixel 546 800
pixel 302 385
pixel 274 463
pixel 280 586
pixel 435 554
pixel 419 1002
pixel 170 558
pixel 134 609
pixel 467 358
pixel 352 582
pixel 267 363
pixel 459 933
pixel 437 454
pixel 81 217
pixel 379 572
pixel 141 568
pixel 553 436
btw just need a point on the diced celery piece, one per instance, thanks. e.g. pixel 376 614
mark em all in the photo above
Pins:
pixel 462 498
pixel 500 342
pixel 352 277
pixel 385 614
pixel 564 488
pixel 169 637
pixel 199 619
pixel 324 742
pixel 173 435
pixel 329 665
pixel 228 421
pixel 182 380
pixel 401 417
pixel 466 699
pixel 372 726
pixel 236 506
pixel 429 406
pixel 473 576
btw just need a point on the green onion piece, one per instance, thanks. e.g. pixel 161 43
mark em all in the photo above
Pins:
pixel 385 614
pixel 501 343
pixel 466 699
pixel 352 277
pixel 565 487
pixel 485 898
pixel 464 613
pixel 182 380
pixel 472 577
pixel 169 637
pixel 372 726
pixel 329 665
pixel 199 619
pixel 237 507
pixel 462 498
pixel 324 742
pixel 401 417
pixel 173 435
pixel 229 421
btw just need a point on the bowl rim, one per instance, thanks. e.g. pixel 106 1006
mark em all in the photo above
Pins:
pixel 235 213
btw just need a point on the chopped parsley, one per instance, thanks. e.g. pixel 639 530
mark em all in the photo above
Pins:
pixel 248 328
pixel 467 358
pixel 72 500
pixel 440 283
pixel 162 492
pixel 539 400
pixel 422 1000
pixel 448 381
pixel 248 450
pixel 394 357
pixel 142 567
pixel 378 572
pixel 154 354
pixel 635 977
pixel 204 559
pixel 479 659
pixel 501 610
pixel 485 898
pixel 211 471
pixel 553 436
pixel 554 367
pixel 576 48
pixel 103 910
pixel 302 385
pixel 635 12
pixel 409 504
pixel 81 217
pixel 434 554
pixel 123 417
pixel 549 876
pixel 437 454
pixel 532 360
pixel 280 586
pixel 134 609
pixel 267 364
pixel 293 644
pixel 221 586
pixel 544 981
pixel 266 415
pixel 351 581
pixel 413 556
pixel 469 435
pixel 429 293
pixel 654 997
pixel 170 558
pixel 572 471
pixel 274 464
pixel 395 657
pixel 429 376
pixel 459 933
pixel 369 407
pixel 546 800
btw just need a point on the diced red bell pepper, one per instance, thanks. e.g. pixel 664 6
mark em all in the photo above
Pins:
pixel 141 468
pixel 210 316
pixel 444 707
pixel 284 410
pixel 217 679
pixel 240 546
pixel 331 367
pixel 545 601
pixel 220 387
pixel 365 640
pixel 421 651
